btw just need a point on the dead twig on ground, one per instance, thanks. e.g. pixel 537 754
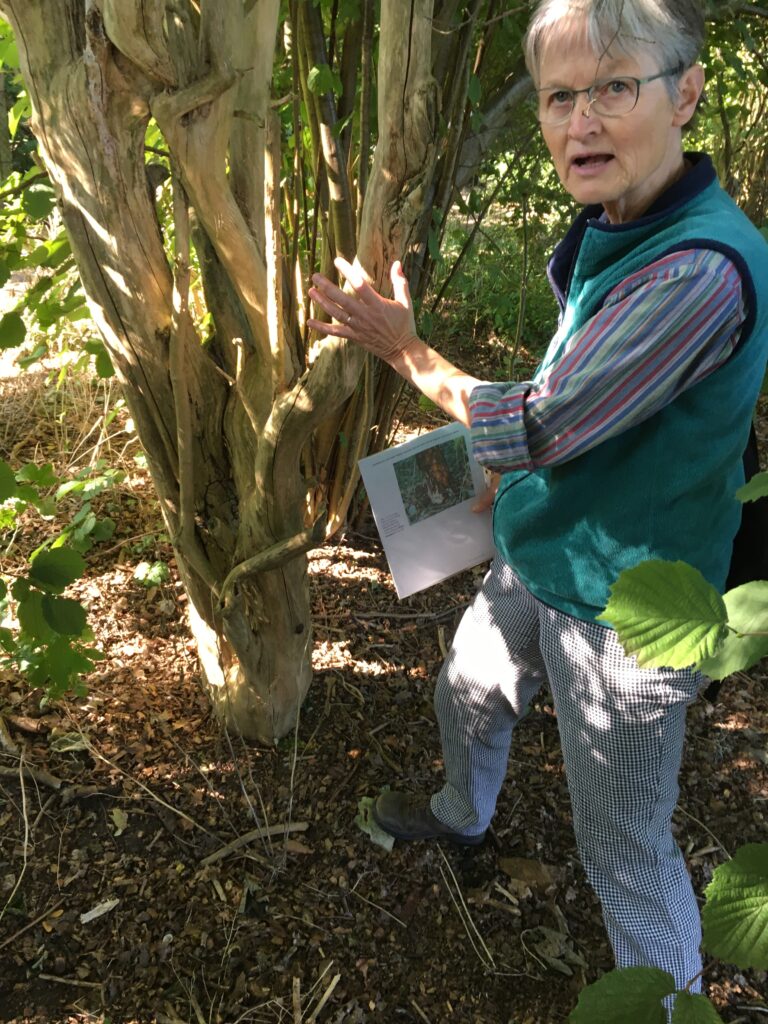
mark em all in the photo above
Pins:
pixel 8 744
pixel 370 903
pixel 427 616
pixel 33 774
pixel 32 923
pixel 248 837
pixel 325 997
pixel 137 782
pixel 296 997
pixel 75 982
pixel 483 953
pixel 420 1012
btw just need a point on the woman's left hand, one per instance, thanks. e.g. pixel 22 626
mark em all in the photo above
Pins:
pixel 385 327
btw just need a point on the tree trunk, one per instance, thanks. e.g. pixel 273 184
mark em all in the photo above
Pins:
pixel 226 420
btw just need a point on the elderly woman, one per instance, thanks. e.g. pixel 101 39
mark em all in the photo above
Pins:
pixel 626 445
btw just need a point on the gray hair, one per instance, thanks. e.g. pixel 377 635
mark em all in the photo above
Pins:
pixel 672 30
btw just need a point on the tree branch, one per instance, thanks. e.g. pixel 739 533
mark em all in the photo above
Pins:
pixel 136 29
pixel 182 334
pixel 497 119
pixel 275 556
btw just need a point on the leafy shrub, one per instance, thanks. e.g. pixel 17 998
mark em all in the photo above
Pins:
pixel 44 635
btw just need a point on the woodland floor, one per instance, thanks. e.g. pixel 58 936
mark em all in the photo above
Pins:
pixel 314 922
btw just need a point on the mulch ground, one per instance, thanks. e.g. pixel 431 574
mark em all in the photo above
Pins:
pixel 154 868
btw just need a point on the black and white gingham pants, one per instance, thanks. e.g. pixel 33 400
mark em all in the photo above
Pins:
pixel 621 731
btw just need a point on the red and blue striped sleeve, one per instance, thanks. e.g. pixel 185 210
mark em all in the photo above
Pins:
pixel 658 333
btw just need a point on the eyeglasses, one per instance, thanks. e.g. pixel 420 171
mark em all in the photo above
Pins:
pixel 613 97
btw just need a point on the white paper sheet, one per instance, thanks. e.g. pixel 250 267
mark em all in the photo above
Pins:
pixel 421 495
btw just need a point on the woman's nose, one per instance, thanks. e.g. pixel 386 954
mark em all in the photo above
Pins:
pixel 582 120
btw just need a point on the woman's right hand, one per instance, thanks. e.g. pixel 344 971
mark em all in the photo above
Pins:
pixel 385 327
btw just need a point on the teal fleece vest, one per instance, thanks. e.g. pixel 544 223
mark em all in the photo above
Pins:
pixel 664 488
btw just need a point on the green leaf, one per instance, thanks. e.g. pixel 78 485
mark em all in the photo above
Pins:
pixel 151 574
pixel 666 614
pixel 22 108
pixel 70 487
pixel 632 994
pixel 103 363
pixel 61 664
pixel 735 915
pixel 321 80
pixel 37 353
pixel 5 273
pixel 58 250
pixel 21 589
pixel 694 1009
pixel 9 54
pixel 756 488
pixel 64 615
pixel 7 641
pixel 31 617
pixel 54 570
pixel 747 608
pixel 7 481
pixel 28 493
pixel 3 588
pixel 37 203
pixel 40 476
pixel 46 507
pixel 13 331
pixel 366 822
pixel 103 529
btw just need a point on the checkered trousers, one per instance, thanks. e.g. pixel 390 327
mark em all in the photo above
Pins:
pixel 621 732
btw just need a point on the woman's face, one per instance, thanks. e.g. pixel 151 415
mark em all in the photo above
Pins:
pixel 625 162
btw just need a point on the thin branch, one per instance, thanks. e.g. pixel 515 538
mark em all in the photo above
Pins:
pixel 247 837
pixel 35 775
pixel 176 104
pixel 182 328
pixel 40 917
pixel 326 996
pixel 759 12
pixel 485 24
pixel 376 906
pixel 485 957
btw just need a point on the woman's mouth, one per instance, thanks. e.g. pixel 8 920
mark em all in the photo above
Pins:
pixel 590 164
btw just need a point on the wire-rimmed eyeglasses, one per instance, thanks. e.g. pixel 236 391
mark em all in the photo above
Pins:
pixel 610 97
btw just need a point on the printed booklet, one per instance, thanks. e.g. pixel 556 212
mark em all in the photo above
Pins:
pixel 421 495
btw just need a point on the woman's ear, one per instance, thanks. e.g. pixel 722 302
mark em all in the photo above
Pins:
pixel 690 86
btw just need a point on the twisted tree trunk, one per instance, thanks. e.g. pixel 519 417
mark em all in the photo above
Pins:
pixel 231 419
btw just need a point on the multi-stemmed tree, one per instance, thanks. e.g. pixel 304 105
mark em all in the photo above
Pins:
pixel 206 157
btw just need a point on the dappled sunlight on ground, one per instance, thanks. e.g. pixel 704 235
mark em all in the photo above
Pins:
pixel 229 870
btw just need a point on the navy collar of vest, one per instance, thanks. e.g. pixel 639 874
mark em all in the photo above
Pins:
pixel 699 176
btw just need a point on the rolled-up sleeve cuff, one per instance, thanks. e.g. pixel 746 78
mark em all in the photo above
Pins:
pixel 497 426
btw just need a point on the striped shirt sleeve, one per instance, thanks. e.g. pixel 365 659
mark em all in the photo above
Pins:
pixel 658 333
